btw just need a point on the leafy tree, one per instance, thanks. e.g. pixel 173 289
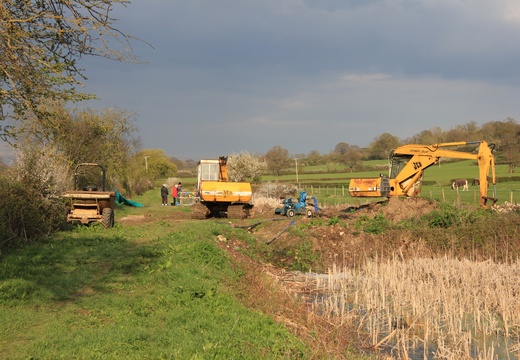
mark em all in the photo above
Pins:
pixel 348 155
pixel 179 163
pixel 352 157
pixel 155 164
pixel 465 132
pixel 314 158
pixel 382 145
pixel 244 166
pixel 427 137
pixel 41 43
pixel 341 148
pixel 506 136
pixel 277 159
pixel 107 137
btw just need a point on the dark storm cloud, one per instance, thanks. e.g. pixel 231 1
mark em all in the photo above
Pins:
pixel 249 75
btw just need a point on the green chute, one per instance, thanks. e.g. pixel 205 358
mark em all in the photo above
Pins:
pixel 120 199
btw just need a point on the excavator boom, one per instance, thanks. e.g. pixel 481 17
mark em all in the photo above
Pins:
pixel 407 165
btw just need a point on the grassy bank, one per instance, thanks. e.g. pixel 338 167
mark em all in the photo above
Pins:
pixel 161 289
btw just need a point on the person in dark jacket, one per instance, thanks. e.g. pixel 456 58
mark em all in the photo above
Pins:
pixel 164 195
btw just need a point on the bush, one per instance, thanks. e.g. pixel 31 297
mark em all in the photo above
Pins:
pixel 376 225
pixel 449 215
pixel 25 215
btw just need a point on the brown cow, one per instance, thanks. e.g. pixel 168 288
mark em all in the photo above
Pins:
pixel 463 183
pixel 477 181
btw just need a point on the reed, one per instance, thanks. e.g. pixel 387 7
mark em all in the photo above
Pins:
pixel 451 308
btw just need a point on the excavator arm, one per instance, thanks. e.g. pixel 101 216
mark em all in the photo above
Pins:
pixel 486 164
pixel 408 163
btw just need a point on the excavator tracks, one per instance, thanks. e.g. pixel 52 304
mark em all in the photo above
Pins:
pixel 199 211
pixel 235 212
pixel 240 211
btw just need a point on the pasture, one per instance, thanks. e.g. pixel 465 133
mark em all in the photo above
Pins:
pixel 330 183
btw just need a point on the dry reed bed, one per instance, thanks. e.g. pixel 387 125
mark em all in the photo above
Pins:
pixel 456 305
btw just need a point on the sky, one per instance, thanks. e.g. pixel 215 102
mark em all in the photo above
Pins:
pixel 219 77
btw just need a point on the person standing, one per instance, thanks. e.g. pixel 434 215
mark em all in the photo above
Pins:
pixel 175 193
pixel 164 195
pixel 179 191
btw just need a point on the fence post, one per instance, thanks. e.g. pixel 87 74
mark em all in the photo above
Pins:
pixel 457 199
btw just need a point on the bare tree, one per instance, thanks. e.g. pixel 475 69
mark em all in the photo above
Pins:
pixel 277 159
pixel 41 42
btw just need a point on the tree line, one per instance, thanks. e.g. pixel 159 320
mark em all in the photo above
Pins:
pixel 505 135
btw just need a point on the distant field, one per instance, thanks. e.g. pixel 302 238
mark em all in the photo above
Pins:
pixel 331 188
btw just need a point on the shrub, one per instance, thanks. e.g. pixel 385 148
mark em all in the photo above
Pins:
pixel 447 216
pixel 304 256
pixel 25 215
pixel 376 225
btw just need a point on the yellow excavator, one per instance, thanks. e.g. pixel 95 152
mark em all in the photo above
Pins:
pixel 407 165
pixel 219 197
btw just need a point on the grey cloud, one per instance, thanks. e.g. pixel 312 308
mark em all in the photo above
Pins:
pixel 216 65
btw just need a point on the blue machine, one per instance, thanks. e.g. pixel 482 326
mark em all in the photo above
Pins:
pixel 291 208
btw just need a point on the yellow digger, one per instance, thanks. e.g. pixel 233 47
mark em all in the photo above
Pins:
pixel 219 197
pixel 407 165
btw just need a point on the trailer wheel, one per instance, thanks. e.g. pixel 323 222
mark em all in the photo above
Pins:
pixel 309 213
pixel 107 218
pixel 290 213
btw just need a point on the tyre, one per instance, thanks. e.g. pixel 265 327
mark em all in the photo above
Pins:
pixel 290 213
pixel 107 218
pixel 309 213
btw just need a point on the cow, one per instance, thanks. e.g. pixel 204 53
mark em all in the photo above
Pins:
pixel 463 183
pixel 477 181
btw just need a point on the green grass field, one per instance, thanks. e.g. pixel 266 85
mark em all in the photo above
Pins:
pixel 155 290
pixel 332 188
pixel 159 289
